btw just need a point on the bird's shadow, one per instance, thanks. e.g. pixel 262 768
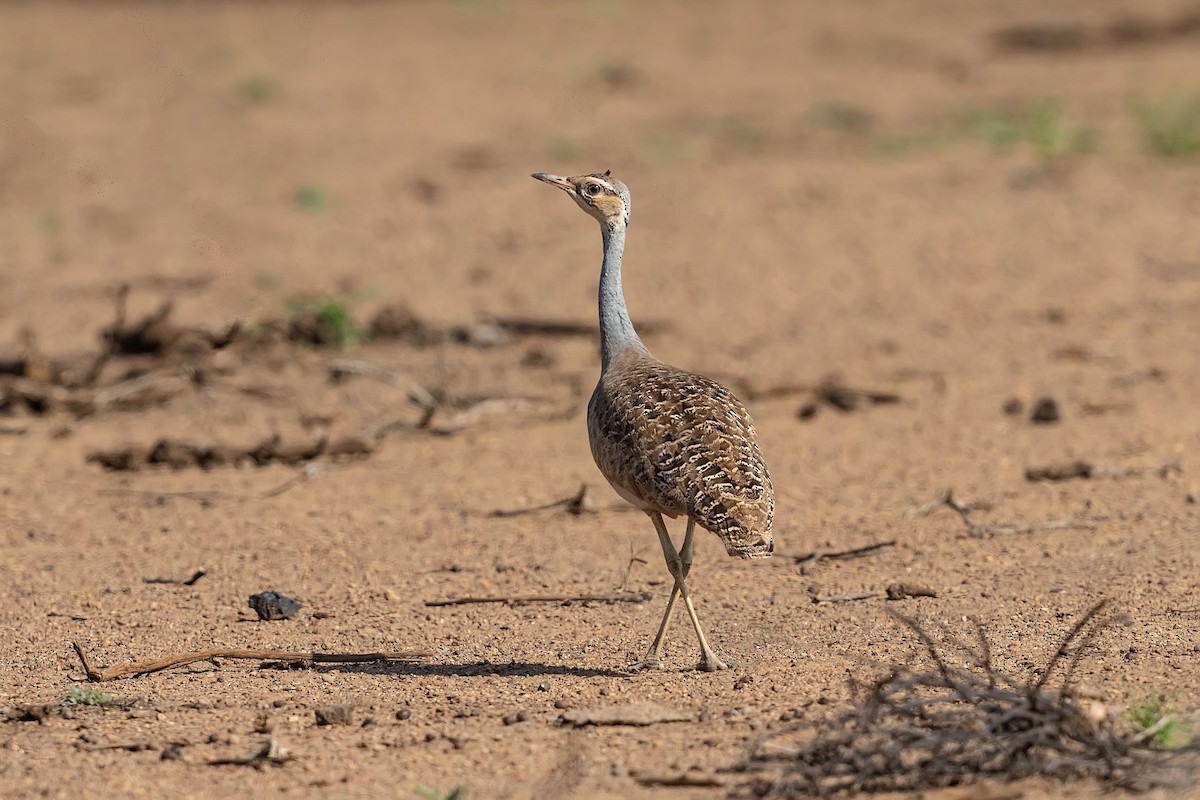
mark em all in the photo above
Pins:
pixel 479 669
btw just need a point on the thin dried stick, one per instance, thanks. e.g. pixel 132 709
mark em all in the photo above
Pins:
pixel 1071 636
pixel 808 559
pixel 110 395
pixel 417 394
pixel 683 779
pixel 136 668
pixel 634 558
pixel 197 575
pixel 869 594
pixel 978 531
pixel 576 504
pixel 631 597
pixel 132 747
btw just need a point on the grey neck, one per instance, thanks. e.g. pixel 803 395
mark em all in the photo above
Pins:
pixel 616 330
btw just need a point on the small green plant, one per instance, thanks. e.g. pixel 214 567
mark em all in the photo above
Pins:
pixel 325 321
pixel 1041 124
pixel 88 697
pixel 1170 125
pixel 311 198
pixel 53 224
pixel 258 89
pixel 1054 136
pixel 433 794
pixel 1171 731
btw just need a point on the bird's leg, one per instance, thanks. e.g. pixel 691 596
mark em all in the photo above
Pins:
pixel 708 659
pixel 653 658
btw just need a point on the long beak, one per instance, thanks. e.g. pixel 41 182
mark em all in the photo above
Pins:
pixel 555 180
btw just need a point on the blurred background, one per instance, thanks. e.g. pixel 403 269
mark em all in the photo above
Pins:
pixel 866 153
pixel 897 228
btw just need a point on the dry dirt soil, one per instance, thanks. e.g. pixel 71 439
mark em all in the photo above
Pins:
pixel 885 196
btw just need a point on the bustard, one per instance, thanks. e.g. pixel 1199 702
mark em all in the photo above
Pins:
pixel 670 442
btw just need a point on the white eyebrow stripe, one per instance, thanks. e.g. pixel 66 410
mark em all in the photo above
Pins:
pixel 606 185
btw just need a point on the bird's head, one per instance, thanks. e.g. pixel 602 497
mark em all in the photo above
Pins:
pixel 599 194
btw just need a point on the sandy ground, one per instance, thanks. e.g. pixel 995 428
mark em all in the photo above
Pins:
pixel 807 203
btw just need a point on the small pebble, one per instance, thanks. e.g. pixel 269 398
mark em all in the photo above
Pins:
pixel 1013 406
pixel 334 715
pixel 1045 412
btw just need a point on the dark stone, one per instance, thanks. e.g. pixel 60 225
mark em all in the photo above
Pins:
pixel 273 605
pixel 1045 412
pixel 807 411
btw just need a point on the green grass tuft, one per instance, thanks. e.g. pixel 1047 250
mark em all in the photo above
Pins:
pixel 1041 124
pixel 86 697
pixel 311 198
pixel 1170 125
pixel 258 89
pixel 1176 732
pixel 331 317
pixel 433 794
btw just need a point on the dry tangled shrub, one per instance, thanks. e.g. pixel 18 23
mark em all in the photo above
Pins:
pixel 951 725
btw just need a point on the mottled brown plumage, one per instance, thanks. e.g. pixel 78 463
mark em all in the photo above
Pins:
pixel 681 444
pixel 670 442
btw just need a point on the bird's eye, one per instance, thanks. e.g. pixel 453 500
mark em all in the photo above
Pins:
pixel 592 189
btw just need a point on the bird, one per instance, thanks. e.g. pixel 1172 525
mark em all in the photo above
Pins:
pixel 670 442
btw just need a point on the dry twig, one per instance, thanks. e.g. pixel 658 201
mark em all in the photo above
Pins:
pixel 979 531
pixel 683 779
pixel 136 668
pixel 417 394
pixel 197 575
pixel 809 559
pixel 629 597
pixel 271 752
pixel 444 421
pixel 575 505
pixel 952 725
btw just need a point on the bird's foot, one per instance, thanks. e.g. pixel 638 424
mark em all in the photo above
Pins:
pixel 710 662
pixel 650 662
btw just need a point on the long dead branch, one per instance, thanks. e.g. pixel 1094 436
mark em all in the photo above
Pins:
pixel 629 597
pixel 135 668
